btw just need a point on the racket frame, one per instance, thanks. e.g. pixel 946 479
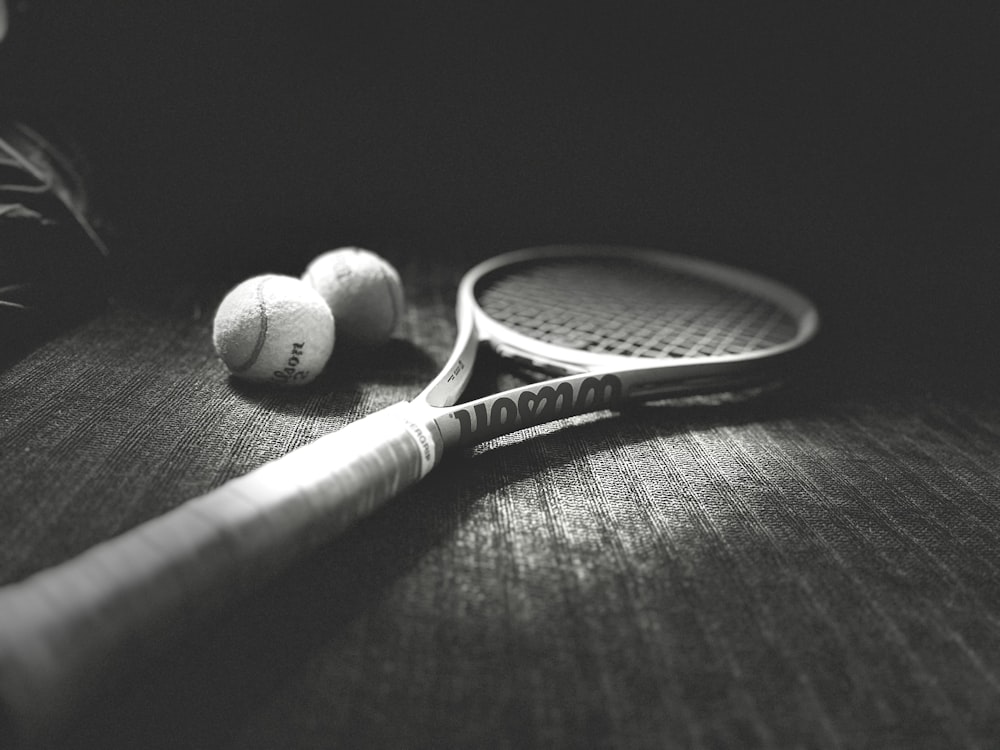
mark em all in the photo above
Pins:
pixel 627 378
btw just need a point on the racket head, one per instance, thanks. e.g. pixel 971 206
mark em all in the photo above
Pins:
pixel 678 324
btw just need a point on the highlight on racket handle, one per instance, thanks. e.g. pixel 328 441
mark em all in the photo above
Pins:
pixel 66 631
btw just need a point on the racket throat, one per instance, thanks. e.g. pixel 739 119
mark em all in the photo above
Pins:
pixel 534 364
pixel 486 418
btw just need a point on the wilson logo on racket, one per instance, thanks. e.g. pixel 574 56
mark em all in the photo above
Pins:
pixel 487 420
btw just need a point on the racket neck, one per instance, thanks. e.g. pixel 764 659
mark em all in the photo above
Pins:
pixel 488 417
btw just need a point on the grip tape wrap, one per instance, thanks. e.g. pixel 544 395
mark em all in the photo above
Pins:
pixel 65 631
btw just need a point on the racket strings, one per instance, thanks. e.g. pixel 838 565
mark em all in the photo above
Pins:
pixel 631 308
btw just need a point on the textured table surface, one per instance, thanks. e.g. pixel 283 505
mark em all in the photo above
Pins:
pixel 815 568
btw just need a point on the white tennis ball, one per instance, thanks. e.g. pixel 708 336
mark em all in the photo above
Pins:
pixel 274 329
pixel 362 289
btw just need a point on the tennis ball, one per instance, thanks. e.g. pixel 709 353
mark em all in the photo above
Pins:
pixel 274 329
pixel 362 289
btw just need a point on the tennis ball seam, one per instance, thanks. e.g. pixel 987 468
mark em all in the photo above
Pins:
pixel 261 330
pixel 391 288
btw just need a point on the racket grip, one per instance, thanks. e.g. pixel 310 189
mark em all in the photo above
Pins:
pixel 66 632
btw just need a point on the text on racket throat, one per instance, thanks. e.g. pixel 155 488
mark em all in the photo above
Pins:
pixel 532 405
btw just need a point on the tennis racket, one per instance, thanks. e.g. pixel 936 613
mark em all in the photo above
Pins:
pixel 605 325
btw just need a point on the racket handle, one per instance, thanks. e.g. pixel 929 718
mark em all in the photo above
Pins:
pixel 66 631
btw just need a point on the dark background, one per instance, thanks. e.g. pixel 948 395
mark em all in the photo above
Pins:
pixel 848 148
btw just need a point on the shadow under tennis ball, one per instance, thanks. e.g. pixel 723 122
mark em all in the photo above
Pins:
pixel 397 363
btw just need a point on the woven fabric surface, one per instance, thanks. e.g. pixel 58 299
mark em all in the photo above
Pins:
pixel 815 568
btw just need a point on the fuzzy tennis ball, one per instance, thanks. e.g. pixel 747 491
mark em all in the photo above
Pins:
pixel 274 329
pixel 364 292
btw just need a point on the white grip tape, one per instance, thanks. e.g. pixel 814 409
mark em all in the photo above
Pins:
pixel 60 628
pixel 430 448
